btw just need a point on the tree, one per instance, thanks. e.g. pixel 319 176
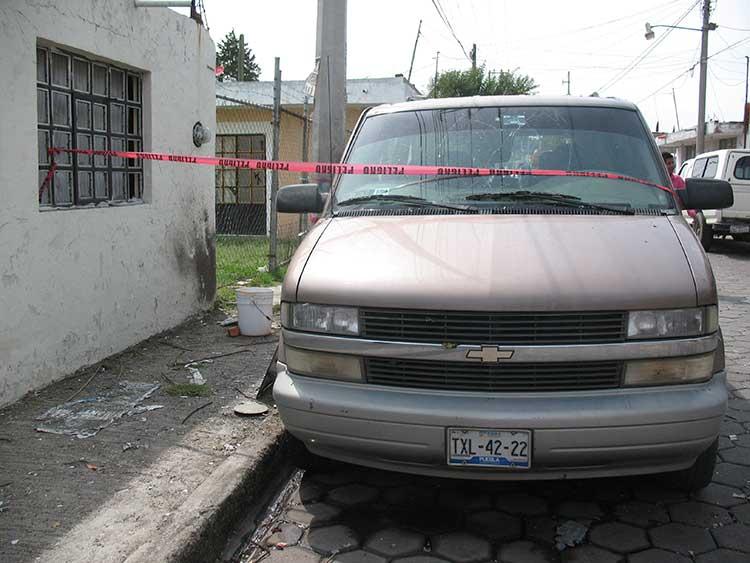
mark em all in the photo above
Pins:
pixel 478 82
pixel 228 56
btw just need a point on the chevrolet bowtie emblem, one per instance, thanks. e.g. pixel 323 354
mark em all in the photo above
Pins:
pixel 489 354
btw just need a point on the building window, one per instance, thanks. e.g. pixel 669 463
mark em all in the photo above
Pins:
pixel 689 152
pixel 240 185
pixel 742 168
pixel 730 143
pixel 87 104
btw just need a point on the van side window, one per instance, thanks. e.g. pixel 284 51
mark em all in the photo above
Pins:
pixel 711 167
pixel 742 168
pixel 698 168
pixel 683 168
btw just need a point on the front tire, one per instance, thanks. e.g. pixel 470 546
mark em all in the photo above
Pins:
pixel 699 475
pixel 704 231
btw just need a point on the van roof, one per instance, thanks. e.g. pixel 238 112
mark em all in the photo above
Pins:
pixel 502 101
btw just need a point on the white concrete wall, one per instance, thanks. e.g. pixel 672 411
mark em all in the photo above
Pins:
pixel 78 285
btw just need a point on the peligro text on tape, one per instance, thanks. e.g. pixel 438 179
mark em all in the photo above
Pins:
pixel 342 168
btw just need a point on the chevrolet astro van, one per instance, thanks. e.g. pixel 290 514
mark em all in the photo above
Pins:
pixel 520 325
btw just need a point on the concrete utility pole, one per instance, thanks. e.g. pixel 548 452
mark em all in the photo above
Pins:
pixel 676 115
pixel 567 82
pixel 745 116
pixel 414 52
pixel 434 84
pixel 701 127
pixel 241 59
pixel 473 54
pixel 329 109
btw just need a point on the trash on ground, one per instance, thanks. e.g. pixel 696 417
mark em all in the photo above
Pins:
pixel 195 377
pixel 140 409
pixel 92 467
pixel 129 446
pixel 250 408
pixel 233 331
pixel 85 417
pixel 570 533
pixel 739 495
pixel 733 437
pixel 229 321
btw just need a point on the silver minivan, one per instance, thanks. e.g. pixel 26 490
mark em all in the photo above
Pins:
pixel 554 317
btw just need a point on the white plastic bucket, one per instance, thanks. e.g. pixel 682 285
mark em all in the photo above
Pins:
pixel 255 310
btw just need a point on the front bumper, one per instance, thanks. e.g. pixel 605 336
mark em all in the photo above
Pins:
pixel 575 434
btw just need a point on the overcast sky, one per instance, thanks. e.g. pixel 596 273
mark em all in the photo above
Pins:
pixel 596 40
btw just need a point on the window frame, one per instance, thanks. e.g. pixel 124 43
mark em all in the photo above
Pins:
pixel 79 166
pixel 257 185
pixel 737 165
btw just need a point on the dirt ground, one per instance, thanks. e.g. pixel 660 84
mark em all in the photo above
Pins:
pixel 50 483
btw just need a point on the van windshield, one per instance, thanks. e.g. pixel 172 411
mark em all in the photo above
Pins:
pixel 526 138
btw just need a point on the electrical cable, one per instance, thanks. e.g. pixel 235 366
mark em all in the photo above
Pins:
pixel 447 23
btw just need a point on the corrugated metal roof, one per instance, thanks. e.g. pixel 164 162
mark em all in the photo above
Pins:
pixel 361 91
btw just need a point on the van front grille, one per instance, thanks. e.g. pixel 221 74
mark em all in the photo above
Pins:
pixel 493 328
pixel 508 377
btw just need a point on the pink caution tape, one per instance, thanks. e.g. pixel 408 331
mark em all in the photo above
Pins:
pixel 331 168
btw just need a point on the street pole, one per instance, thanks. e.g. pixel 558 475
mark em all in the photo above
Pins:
pixel 568 83
pixel 304 176
pixel 434 84
pixel 414 52
pixel 474 56
pixel 241 59
pixel 272 260
pixel 701 127
pixel 676 115
pixel 745 112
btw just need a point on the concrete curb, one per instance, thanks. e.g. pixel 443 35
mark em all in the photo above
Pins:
pixel 197 530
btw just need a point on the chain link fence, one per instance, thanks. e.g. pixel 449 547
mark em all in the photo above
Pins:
pixel 246 250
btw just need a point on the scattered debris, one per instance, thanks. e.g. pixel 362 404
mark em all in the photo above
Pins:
pixel 74 395
pixel 251 408
pixel 196 377
pixel 739 495
pixel 140 409
pixel 229 448
pixel 229 321
pixel 733 437
pixel 175 346
pixel 233 331
pixel 92 467
pixel 569 534
pixel 129 446
pixel 13 542
pixel 241 392
pixel 85 417
pixel 191 413
pixel 284 535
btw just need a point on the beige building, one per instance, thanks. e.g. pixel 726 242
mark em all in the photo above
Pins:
pixel 244 130
pixel 719 135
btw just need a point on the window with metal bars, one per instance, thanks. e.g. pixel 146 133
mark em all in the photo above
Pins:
pixel 240 185
pixel 87 104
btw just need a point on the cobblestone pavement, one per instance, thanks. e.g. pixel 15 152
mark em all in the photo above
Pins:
pixel 351 514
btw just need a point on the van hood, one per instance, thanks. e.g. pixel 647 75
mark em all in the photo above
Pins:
pixel 499 263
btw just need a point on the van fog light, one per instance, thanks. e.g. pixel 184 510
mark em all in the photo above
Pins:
pixel 669 371
pixel 323 364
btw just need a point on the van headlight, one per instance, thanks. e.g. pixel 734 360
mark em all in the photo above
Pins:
pixel 669 371
pixel 673 323
pixel 328 319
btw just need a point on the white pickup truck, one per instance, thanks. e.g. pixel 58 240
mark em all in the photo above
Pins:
pixel 732 165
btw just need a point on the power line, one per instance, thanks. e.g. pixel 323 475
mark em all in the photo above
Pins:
pixel 447 23
pixel 735 44
pixel 733 28
pixel 646 52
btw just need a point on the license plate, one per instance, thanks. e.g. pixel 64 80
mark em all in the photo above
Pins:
pixel 508 449
pixel 739 229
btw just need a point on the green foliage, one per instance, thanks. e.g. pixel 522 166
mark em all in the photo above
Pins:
pixel 228 56
pixel 479 82
pixel 188 390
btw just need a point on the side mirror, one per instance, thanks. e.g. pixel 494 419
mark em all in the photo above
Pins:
pixel 300 198
pixel 700 193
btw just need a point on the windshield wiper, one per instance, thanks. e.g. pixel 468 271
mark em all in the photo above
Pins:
pixel 549 198
pixel 412 201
